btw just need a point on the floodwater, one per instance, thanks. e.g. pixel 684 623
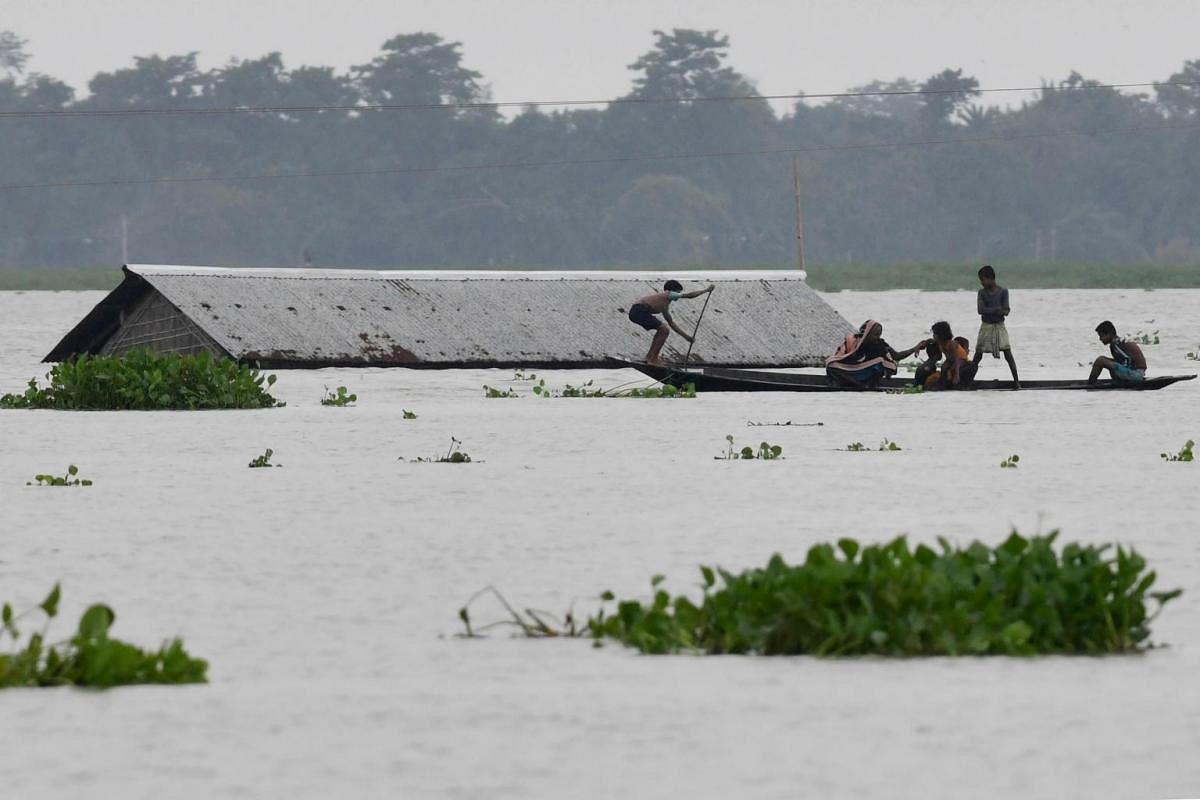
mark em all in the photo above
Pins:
pixel 325 594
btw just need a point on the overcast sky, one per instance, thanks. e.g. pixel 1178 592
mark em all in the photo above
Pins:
pixel 543 49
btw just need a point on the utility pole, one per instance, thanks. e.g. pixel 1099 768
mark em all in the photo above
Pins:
pixel 799 213
pixel 124 240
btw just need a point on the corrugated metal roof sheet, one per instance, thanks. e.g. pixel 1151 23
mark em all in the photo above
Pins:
pixel 293 317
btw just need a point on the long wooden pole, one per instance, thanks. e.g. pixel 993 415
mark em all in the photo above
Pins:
pixel 696 330
pixel 799 212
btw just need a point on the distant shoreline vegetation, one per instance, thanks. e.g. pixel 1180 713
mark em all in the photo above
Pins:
pixel 823 277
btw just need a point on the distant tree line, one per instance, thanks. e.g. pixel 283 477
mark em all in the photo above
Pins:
pixel 1128 193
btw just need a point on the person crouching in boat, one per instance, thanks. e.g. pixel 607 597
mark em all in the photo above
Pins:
pixel 1127 364
pixel 864 358
pixel 956 371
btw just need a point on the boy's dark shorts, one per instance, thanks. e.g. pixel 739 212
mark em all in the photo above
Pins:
pixel 642 315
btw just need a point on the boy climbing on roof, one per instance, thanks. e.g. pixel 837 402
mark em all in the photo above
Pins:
pixel 644 312
pixel 992 305
pixel 1127 364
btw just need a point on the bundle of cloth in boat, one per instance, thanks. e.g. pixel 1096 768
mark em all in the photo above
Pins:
pixel 863 359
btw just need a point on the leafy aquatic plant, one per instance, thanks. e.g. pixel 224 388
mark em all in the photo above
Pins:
pixel 90 657
pixel 1018 598
pixel 665 390
pixel 143 380
pixel 264 460
pixel 340 398
pixel 1193 356
pixel 765 452
pixel 1141 337
pixel 453 456
pixel 409 414
pixel 70 479
pixel 886 446
pixel 1185 453
pixel 491 391
pixel 521 375
pixel 583 390
pixel 1011 462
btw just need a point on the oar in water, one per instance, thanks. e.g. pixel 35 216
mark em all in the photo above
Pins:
pixel 696 330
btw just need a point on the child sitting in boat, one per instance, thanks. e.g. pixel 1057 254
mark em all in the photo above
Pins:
pixel 644 312
pixel 1127 363
pixel 956 372
pixel 933 356
pixel 864 358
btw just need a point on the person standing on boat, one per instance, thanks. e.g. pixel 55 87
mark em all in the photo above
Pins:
pixel 992 305
pixel 1127 364
pixel 864 358
pixel 644 312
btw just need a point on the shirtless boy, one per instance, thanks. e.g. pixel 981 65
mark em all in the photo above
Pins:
pixel 644 312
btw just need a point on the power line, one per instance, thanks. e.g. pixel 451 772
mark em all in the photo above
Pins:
pixel 494 166
pixel 204 112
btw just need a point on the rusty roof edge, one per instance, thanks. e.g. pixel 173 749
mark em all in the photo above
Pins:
pixel 152 270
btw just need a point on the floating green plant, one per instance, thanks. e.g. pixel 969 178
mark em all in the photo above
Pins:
pixel 1011 462
pixel 1021 597
pixel 409 414
pixel 339 398
pixel 521 375
pixel 583 390
pixel 492 391
pixel 1193 356
pixel 1184 454
pixel 1142 337
pixel 886 446
pixel 665 390
pixel 264 460
pixel 453 456
pixel 143 380
pixel 90 657
pixel 70 479
pixel 765 452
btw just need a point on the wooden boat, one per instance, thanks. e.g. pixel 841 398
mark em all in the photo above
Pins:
pixel 720 379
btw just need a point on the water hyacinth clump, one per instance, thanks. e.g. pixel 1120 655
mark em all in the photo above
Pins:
pixel 341 398
pixel 141 380
pixel 493 392
pixel 90 657
pixel 765 452
pixel 453 455
pixel 688 390
pixel 1019 598
pixel 70 479
pixel 260 462
pixel 1185 453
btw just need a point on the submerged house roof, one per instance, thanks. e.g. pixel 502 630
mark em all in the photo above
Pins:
pixel 281 318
